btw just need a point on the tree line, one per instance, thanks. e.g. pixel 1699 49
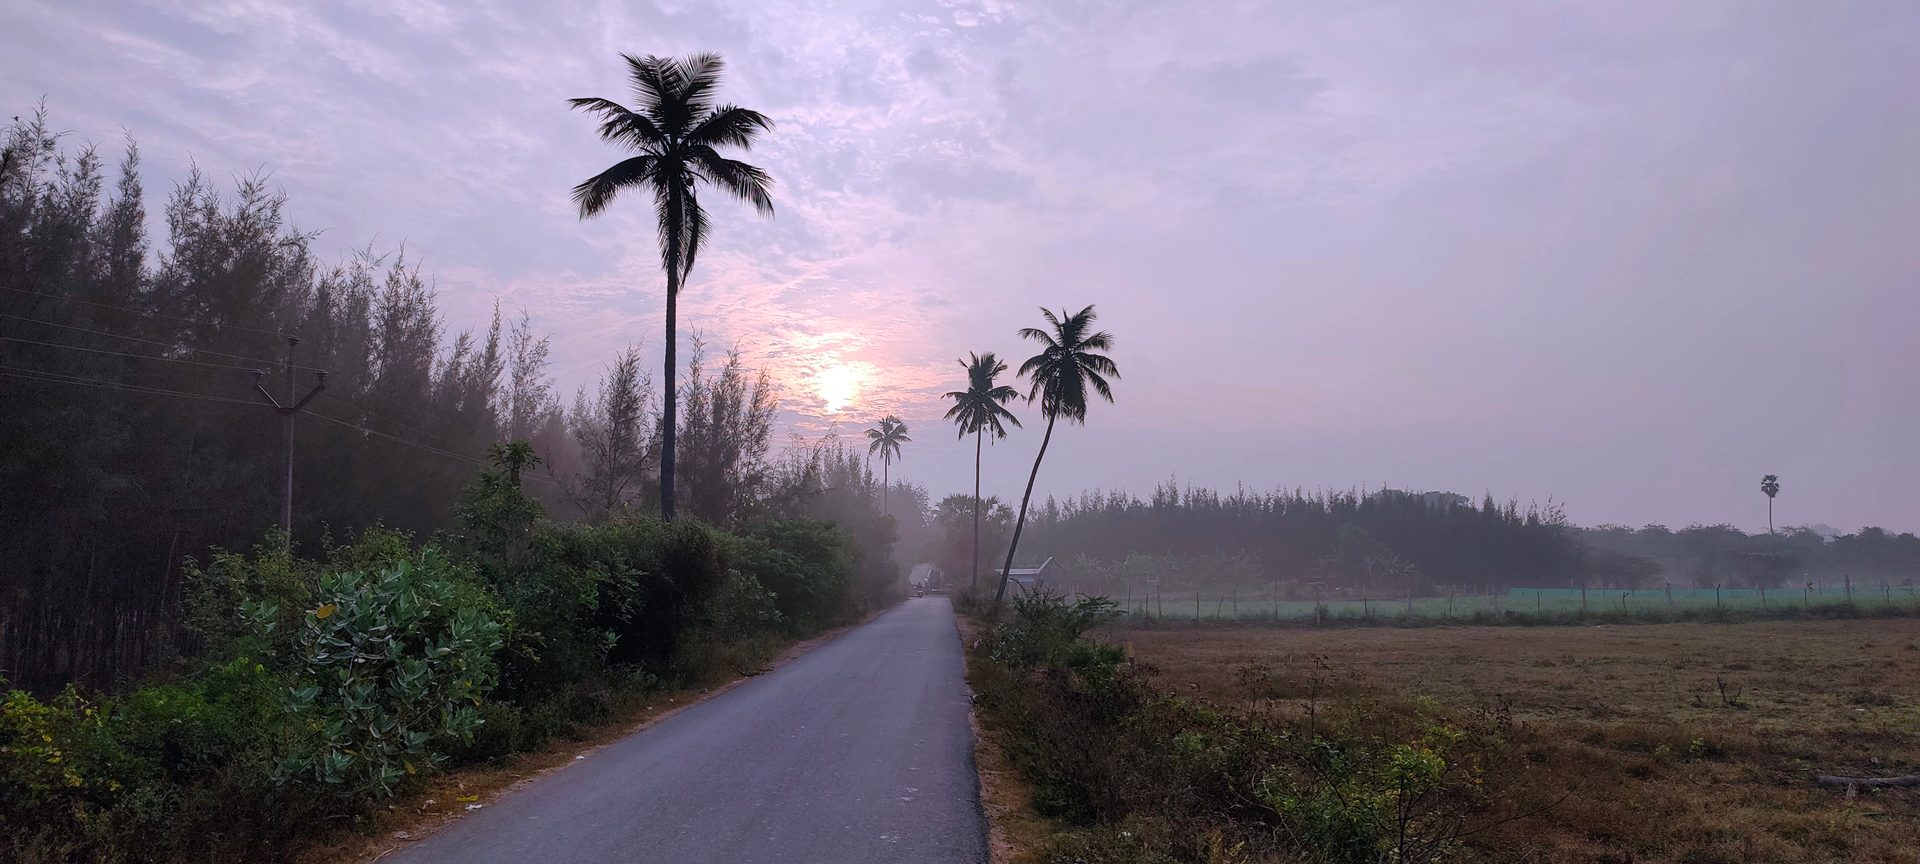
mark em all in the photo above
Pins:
pixel 135 439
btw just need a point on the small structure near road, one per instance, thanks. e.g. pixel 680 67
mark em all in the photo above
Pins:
pixel 1031 579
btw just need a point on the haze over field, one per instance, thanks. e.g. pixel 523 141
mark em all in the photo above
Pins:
pixel 1629 258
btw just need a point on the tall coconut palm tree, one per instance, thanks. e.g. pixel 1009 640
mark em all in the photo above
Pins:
pixel 1067 367
pixel 979 409
pixel 1770 484
pixel 675 131
pixel 885 439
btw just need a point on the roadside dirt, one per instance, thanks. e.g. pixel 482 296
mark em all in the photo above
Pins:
pixel 1013 829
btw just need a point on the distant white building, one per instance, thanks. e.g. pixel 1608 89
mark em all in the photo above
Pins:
pixel 1031 578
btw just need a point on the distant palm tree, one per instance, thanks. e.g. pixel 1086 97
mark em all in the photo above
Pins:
pixel 1770 484
pixel 886 439
pixel 979 409
pixel 1065 369
pixel 677 132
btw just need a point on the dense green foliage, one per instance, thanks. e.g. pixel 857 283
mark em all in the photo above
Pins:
pixel 321 687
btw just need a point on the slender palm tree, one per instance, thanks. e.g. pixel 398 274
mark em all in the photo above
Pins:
pixel 1770 484
pixel 886 439
pixel 675 131
pixel 979 409
pixel 1067 367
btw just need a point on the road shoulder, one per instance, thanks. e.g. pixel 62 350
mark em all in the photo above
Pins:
pixel 1013 828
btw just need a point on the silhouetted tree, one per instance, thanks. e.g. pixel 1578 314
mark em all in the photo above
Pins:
pixel 885 439
pixel 611 427
pixel 1068 366
pixel 1770 484
pixel 677 131
pixel 977 410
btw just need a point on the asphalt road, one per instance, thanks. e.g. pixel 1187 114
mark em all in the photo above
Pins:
pixel 857 751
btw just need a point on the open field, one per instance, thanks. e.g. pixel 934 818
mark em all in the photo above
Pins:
pixel 1653 743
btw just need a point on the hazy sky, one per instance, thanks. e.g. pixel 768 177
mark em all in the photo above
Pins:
pixel 1624 256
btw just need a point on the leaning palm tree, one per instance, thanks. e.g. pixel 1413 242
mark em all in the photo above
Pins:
pixel 1770 484
pixel 885 439
pixel 1067 366
pixel 675 131
pixel 979 409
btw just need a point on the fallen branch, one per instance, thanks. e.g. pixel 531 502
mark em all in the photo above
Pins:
pixel 1852 783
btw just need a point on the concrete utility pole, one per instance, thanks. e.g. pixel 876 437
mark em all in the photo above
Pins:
pixel 288 411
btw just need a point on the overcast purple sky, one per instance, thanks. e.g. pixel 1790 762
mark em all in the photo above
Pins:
pixel 1626 256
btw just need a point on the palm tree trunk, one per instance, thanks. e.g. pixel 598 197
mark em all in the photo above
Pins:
pixel 669 410
pixel 975 581
pixel 1769 514
pixel 886 482
pixel 1021 523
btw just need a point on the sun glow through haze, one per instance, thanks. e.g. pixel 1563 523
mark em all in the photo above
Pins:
pixel 837 385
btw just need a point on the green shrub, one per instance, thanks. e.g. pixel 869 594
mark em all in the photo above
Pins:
pixel 1046 628
pixel 212 594
pixel 806 564
pixel 392 666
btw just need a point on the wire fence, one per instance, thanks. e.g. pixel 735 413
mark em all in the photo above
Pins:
pixel 1255 605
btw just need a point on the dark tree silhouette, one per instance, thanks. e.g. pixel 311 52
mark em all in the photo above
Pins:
pixel 885 439
pixel 1067 367
pixel 979 409
pixel 1770 484
pixel 676 131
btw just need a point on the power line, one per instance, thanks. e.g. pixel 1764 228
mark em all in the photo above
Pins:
pixel 397 424
pixel 479 463
pixel 62 378
pixel 146 312
pixel 124 354
pixel 264 364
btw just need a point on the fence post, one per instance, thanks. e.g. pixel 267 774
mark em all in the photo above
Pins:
pixel 1849 578
pixel 1583 599
pixel 1716 596
pixel 1196 605
pixel 1669 593
pixel 1536 601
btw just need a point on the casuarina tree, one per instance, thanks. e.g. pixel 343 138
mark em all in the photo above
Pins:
pixel 1070 365
pixel 675 131
pixel 977 410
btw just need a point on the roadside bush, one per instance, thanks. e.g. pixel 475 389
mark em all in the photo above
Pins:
pixel 391 667
pixel 1189 781
pixel 211 594
pixel 805 564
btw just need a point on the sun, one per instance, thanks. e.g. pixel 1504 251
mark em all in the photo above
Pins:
pixel 838 385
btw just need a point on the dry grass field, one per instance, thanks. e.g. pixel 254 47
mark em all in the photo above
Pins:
pixel 1647 743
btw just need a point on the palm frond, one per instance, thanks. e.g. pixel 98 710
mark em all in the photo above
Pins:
pixel 598 191
pixel 620 124
pixel 746 182
pixel 730 125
